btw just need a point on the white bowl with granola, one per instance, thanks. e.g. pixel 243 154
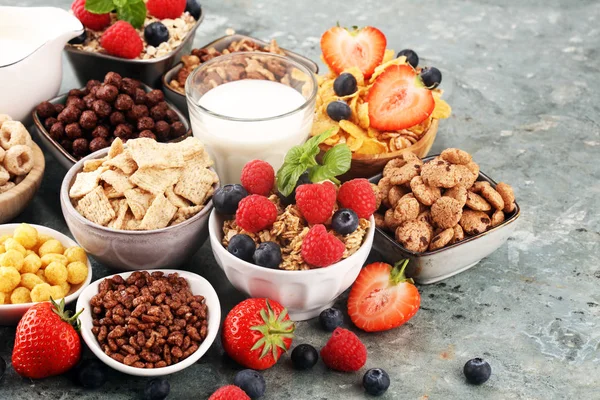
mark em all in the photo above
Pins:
pixel 145 206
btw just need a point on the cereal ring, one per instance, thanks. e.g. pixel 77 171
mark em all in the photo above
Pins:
pixel 474 222
pixel 2 154
pixel 4 175
pixel 497 218
pixel 7 186
pixel 425 194
pixel 459 234
pixel 393 164
pixel 441 239
pixel 439 173
pixel 19 160
pixel 4 118
pixel 492 197
pixel 459 193
pixel 476 202
pixel 384 186
pixel 414 235
pixel 456 156
pixel 390 221
pixel 406 209
pixel 395 194
pixel 508 196
pixel 379 220
pixel 446 212
pixel 13 133
pixel 377 195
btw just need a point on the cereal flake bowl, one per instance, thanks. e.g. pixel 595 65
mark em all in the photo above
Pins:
pixel 198 286
pixel 304 293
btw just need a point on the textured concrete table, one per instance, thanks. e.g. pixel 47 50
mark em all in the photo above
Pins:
pixel 525 100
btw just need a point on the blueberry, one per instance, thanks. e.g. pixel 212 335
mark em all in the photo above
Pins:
pixel 411 57
pixel 91 374
pixel 156 33
pixel 376 381
pixel 345 84
pixel 251 382
pixel 344 221
pixel 226 198
pixel 79 39
pixel 431 77
pixel 477 371
pixel 193 8
pixel 268 255
pixel 331 318
pixel 157 389
pixel 304 357
pixel 242 246
pixel 291 199
pixel 338 110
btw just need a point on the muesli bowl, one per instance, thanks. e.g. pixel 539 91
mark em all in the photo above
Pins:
pixel 304 293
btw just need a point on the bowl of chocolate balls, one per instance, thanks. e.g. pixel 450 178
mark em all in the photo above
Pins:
pixel 86 120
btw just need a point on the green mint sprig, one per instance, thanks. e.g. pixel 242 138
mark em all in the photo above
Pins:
pixel 132 11
pixel 336 161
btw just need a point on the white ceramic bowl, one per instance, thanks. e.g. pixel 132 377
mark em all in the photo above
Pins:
pixel 304 293
pixel 10 314
pixel 198 286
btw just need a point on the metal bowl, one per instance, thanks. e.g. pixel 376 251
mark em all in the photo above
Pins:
pixel 64 157
pixel 88 65
pixel 434 266
pixel 221 44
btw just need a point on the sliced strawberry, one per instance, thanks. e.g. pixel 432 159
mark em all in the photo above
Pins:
pixel 363 48
pixel 398 100
pixel 382 298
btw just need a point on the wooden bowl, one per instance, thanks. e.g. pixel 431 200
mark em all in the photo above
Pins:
pixel 13 202
pixel 368 165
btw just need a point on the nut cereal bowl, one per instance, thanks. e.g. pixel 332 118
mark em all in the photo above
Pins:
pixel 10 314
pixel 133 250
pixel 304 293
pixel 198 285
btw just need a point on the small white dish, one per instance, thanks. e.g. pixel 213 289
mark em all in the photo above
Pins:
pixel 304 293
pixel 10 314
pixel 198 286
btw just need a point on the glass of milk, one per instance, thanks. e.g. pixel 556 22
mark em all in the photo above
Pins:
pixel 250 105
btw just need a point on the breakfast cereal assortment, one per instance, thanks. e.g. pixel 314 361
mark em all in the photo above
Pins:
pixel 16 153
pixel 429 205
pixel 145 186
pixel 35 267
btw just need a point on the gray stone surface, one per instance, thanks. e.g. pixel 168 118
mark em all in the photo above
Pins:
pixel 523 83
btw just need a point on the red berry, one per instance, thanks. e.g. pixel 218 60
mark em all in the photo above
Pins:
pixel 258 177
pixel 320 248
pixel 316 201
pixel 229 392
pixel 90 20
pixel 358 195
pixel 255 213
pixel 344 351
pixel 122 40
pixel 162 9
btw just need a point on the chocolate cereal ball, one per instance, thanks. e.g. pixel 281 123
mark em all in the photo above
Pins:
pixel 101 131
pixel 177 129
pixel 123 131
pixel 73 131
pixel 124 102
pixel 112 78
pixel 76 93
pixel 147 134
pixel 69 115
pixel 129 86
pixel 57 131
pixel 172 116
pixel 88 119
pixel 145 123
pixel 80 147
pixel 101 108
pixel 91 83
pixel 140 96
pixel 98 143
pixel 45 109
pixel 107 93
pixel 154 97
pixel 162 129
pixel 117 118
pixel 137 111
pixel 89 100
pixel 159 111
pixel 49 122
pixel 58 108
pixel 76 102
pixel 94 90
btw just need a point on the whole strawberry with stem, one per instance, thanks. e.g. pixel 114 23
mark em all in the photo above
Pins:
pixel 46 341
pixel 256 332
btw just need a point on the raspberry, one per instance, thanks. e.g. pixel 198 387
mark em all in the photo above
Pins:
pixel 162 9
pixel 255 213
pixel 316 201
pixel 229 392
pixel 122 40
pixel 258 177
pixel 344 351
pixel 358 195
pixel 320 248
pixel 90 20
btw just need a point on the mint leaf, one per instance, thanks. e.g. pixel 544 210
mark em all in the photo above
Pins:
pixel 134 12
pixel 336 161
pixel 120 3
pixel 99 6
pixel 287 177
pixel 311 147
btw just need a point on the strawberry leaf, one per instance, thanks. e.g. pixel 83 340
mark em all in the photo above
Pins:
pixel 100 6
pixel 134 12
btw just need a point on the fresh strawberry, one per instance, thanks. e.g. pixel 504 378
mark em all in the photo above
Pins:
pixel 344 351
pixel 363 48
pixel 46 341
pixel 382 298
pixel 256 332
pixel 398 99
pixel 229 392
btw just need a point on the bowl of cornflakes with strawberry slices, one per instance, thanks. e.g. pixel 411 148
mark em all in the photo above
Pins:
pixel 297 236
pixel 136 38
pixel 380 103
